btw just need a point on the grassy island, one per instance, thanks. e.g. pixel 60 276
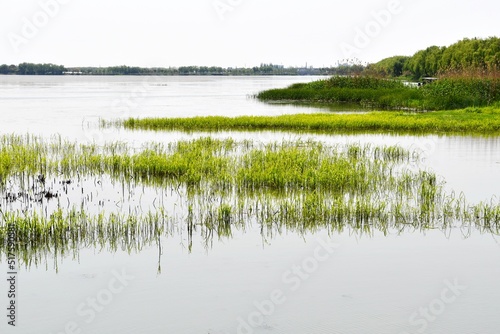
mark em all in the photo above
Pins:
pixel 379 93
pixel 470 121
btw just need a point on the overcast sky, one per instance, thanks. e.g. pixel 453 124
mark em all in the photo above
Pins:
pixel 234 33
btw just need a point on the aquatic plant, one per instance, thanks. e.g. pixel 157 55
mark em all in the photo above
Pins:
pixel 485 122
pixel 366 91
pixel 456 92
pixel 452 92
pixel 220 185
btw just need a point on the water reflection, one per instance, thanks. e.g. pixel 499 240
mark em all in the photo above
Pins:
pixel 334 107
pixel 59 197
pixel 381 274
pixel 65 234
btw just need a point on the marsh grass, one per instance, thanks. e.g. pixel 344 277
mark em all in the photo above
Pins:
pixel 291 185
pixel 367 91
pixel 65 232
pixel 448 93
pixel 469 121
pixel 458 92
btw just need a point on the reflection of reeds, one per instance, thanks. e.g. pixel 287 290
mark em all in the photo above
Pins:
pixel 37 235
pixel 299 186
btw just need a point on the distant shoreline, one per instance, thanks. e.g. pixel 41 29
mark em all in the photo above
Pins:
pixel 163 75
pixel 262 70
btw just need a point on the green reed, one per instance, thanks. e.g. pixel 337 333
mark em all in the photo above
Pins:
pixel 456 92
pixel 290 185
pixel 452 92
pixel 66 231
pixel 470 121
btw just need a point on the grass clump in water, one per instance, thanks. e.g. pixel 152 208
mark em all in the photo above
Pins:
pixel 223 184
pixel 483 121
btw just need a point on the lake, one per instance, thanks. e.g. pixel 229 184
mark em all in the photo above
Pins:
pixel 253 280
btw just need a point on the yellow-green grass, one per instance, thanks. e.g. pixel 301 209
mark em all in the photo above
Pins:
pixel 469 121
pixel 292 185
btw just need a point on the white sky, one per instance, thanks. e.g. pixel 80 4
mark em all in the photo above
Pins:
pixel 239 33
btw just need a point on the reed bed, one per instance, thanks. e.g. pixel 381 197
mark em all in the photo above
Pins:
pixel 227 185
pixel 451 92
pixel 222 162
pixel 65 232
pixel 366 91
pixel 469 121
pixel 456 92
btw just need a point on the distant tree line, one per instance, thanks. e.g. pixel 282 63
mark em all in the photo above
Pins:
pixel 466 56
pixel 263 69
pixel 32 69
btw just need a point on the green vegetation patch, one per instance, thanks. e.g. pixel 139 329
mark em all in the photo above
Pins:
pixel 446 93
pixel 222 184
pixel 477 121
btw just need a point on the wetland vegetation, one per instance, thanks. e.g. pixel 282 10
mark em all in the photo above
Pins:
pixel 379 93
pixel 211 187
pixel 60 196
pixel 468 121
pixel 468 73
pixel 464 100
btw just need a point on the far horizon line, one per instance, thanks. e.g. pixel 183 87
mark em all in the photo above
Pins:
pixel 306 65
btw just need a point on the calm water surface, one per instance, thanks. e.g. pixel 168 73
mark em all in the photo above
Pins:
pixel 322 282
